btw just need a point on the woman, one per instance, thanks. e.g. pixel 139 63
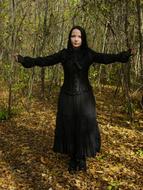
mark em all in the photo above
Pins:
pixel 77 133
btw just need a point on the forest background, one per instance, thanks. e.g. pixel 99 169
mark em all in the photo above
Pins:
pixel 40 28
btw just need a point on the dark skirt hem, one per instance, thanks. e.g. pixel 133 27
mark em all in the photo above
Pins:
pixel 92 155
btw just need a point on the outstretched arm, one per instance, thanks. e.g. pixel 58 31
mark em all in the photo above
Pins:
pixel 111 58
pixel 29 62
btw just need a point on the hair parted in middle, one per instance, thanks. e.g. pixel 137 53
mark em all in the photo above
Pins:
pixel 84 44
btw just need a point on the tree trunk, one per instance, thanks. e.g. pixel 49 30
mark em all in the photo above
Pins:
pixel 127 67
pixel 140 35
pixel 12 44
pixel 103 48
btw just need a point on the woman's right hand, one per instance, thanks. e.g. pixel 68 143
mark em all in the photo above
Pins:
pixel 15 57
pixel 18 58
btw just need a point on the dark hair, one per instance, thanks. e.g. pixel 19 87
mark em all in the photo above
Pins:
pixel 84 44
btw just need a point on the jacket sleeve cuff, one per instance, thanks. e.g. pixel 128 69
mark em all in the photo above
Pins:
pixel 26 61
pixel 125 55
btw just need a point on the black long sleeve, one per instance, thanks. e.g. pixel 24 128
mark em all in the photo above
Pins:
pixel 53 59
pixel 111 58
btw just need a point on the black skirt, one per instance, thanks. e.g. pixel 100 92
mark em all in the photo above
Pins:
pixel 77 131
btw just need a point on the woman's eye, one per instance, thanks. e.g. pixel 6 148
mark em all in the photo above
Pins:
pixel 73 36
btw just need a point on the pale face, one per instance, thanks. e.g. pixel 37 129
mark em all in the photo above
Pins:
pixel 76 40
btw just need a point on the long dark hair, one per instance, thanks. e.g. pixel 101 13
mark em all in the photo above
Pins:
pixel 84 44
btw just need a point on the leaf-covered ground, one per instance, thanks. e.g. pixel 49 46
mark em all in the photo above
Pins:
pixel 27 161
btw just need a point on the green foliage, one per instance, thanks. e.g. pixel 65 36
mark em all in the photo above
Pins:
pixel 19 86
pixel 3 114
pixel 114 185
pixel 101 157
pixel 140 152
pixel 129 107
pixel 93 74
pixel 74 2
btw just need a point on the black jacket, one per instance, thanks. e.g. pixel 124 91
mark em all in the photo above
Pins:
pixel 76 64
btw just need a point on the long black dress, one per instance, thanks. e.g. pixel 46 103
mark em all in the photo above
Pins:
pixel 77 131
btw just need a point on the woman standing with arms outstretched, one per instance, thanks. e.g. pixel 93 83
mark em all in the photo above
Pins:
pixel 76 133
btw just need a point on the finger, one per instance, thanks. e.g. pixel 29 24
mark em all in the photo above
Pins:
pixel 132 51
pixel 16 57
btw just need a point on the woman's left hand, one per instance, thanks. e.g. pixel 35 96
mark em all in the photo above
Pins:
pixel 132 51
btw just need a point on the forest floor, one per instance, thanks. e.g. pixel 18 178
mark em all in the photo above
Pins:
pixel 27 161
